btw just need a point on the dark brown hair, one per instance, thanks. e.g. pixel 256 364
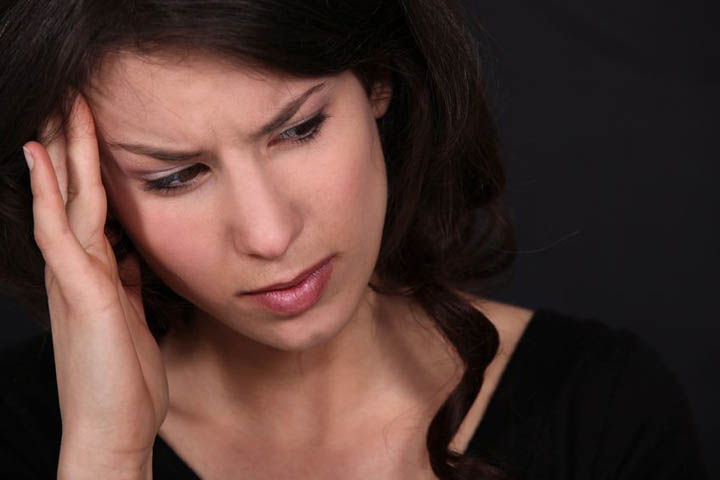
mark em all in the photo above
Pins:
pixel 444 229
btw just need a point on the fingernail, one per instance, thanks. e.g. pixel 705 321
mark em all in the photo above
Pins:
pixel 28 158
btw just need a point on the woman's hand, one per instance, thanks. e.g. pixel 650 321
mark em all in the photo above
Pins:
pixel 111 380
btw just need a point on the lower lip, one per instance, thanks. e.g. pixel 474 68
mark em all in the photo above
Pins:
pixel 295 300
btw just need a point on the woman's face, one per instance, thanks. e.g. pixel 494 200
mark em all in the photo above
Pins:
pixel 254 201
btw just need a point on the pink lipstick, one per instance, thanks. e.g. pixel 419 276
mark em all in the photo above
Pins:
pixel 297 298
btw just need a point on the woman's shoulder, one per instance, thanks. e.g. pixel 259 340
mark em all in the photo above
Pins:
pixel 565 347
pixel 30 423
pixel 579 395
pixel 558 349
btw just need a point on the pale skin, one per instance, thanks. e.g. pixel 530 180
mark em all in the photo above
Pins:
pixel 346 389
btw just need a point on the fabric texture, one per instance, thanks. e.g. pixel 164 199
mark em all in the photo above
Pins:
pixel 577 400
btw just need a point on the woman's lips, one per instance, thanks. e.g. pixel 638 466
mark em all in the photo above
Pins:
pixel 283 285
pixel 296 299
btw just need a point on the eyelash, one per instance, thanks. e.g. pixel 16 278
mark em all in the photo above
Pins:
pixel 162 185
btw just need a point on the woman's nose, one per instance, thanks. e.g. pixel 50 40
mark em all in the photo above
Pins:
pixel 263 220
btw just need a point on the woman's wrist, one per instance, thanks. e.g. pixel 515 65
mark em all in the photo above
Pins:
pixel 83 463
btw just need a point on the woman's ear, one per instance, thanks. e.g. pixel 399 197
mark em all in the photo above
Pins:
pixel 380 95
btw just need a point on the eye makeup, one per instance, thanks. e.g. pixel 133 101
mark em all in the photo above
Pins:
pixel 186 178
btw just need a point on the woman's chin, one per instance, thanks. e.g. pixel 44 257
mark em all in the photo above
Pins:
pixel 303 333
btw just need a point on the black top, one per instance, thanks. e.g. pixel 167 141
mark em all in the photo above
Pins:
pixel 577 400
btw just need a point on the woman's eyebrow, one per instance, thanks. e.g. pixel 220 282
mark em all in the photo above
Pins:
pixel 282 117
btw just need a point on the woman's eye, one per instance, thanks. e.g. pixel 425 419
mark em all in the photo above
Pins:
pixel 177 181
pixel 186 178
pixel 305 131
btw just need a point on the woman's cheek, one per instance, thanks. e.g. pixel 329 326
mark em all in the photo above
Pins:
pixel 174 237
pixel 355 194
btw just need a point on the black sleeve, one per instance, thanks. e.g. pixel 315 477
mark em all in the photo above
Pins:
pixel 22 454
pixel 12 465
pixel 650 433
pixel 30 424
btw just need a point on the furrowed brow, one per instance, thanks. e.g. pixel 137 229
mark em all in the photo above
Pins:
pixel 280 119
pixel 287 112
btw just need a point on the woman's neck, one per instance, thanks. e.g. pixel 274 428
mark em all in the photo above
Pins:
pixel 384 359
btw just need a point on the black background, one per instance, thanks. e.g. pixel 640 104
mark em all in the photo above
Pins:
pixel 605 111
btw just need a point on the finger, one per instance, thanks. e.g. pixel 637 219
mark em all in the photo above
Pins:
pixel 82 148
pixel 59 247
pixel 56 150
pixel 87 201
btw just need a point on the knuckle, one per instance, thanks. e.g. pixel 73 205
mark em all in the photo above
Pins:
pixel 45 239
pixel 41 239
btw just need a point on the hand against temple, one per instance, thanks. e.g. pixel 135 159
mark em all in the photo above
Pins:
pixel 112 384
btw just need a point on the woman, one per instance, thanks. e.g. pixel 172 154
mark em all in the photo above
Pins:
pixel 256 225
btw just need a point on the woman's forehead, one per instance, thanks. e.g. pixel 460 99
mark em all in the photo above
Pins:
pixel 153 77
pixel 136 92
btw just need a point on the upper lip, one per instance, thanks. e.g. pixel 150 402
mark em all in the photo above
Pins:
pixel 297 279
